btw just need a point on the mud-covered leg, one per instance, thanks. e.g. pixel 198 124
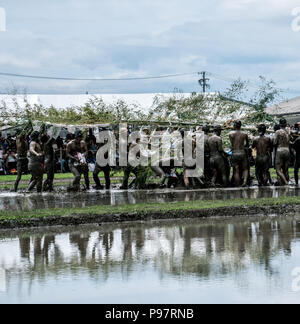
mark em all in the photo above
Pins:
pixel 32 184
pixel 281 174
pixel 237 180
pixel 296 172
pixel 19 177
pixel 96 178
pixel 39 184
pixel 86 178
pixel 127 172
pixel 77 177
pixel 107 177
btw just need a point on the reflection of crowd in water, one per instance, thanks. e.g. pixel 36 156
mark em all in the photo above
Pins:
pixel 205 249
pixel 37 152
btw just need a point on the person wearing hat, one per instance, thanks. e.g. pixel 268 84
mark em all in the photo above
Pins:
pixel 264 148
pixel 35 163
pixel 217 155
pixel 240 160
pixel 76 153
pixel 282 159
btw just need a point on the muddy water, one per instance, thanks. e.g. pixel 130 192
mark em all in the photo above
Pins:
pixel 206 261
pixel 12 201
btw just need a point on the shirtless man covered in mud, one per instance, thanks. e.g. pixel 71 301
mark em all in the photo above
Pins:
pixel 129 168
pixel 217 155
pixel 22 162
pixel 264 148
pixel 35 163
pixel 296 146
pixel 106 170
pixel 282 143
pixel 207 167
pixel 76 166
pixel 240 161
pixel 47 142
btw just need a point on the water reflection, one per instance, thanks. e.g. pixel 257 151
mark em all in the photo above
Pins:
pixel 232 254
pixel 12 201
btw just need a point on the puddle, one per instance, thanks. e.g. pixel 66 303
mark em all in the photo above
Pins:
pixel 13 201
pixel 178 262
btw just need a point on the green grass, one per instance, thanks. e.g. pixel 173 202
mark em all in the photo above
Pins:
pixel 274 175
pixel 146 208
pixel 9 186
pixel 58 176
pixel 116 174
pixel 25 177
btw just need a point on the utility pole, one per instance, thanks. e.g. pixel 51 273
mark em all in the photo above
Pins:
pixel 203 81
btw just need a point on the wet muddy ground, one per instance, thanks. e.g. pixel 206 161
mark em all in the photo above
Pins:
pixel 61 199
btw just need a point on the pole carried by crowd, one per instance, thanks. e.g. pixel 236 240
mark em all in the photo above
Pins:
pixel 35 151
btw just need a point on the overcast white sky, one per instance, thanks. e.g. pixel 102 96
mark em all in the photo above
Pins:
pixel 124 38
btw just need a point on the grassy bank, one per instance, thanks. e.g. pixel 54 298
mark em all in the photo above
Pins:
pixel 60 179
pixel 115 174
pixel 144 209
pixel 63 183
pixel 58 176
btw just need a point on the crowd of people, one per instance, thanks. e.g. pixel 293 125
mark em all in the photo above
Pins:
pixel 8 155
pixel 36 152
pixel 275 151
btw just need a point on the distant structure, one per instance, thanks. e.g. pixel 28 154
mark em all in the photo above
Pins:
pixel 135 100
pixel 289 109
pixel 216 110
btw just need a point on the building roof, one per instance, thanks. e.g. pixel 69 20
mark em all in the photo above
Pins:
pixel 286 108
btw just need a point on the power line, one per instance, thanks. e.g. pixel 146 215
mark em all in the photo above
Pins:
pixel 96 79
pixel 203 81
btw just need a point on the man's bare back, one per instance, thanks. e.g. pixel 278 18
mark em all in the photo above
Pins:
pixel 239 140
pixel 282 139
pixel 22 147
pixel 263 145
pixel 215 145
pixel 240 162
